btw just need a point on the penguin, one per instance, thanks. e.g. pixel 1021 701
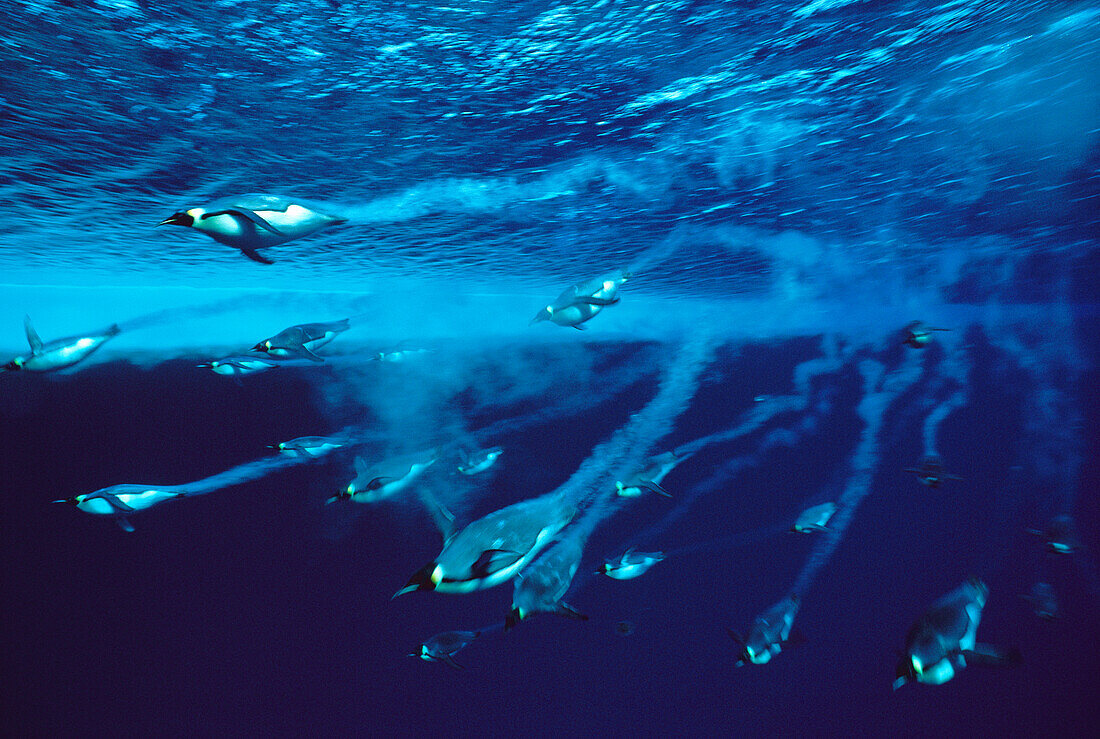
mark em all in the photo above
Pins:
pixel 302 341
pixel 478 462
pixel 372 484
pixel 253 221
pixel 630 565
pixel 771 631
pixel 1043 601
pixel 398 355
pixel 651 476
pixel 918 336
pixel 59 353
pixel 814 518
pixel 541 587
pixel 583 301
pixel 492 549
pixel 930 472
pixel 942 641
pixel 1059 535
pixel 308 446
pixel 121 500
pixel 241 364
pixel 444 646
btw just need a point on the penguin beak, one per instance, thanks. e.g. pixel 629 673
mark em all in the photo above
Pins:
pixel 177 219
pixel 542 315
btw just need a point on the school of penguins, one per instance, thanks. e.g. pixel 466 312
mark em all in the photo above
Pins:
pixel 506 544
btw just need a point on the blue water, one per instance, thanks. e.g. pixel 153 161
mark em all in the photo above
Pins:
pixel 790 185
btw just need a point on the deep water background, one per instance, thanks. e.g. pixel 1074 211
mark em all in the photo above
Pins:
pixel 789 170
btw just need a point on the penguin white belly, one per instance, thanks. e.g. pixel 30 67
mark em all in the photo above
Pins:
pixel 97 506
pixel 146 499
pixel 295 221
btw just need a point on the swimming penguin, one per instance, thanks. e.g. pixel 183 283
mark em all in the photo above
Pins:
pixel 1043 601
pixel 302 341
pixel 814 518
pixel 630 565
pixel 478 462
pixel 931 472
pixel 770 632
pixel 443 647
pixel 541 587
pixel 492 549
pixel 241 364
pixel 253 221
pixel 398 355
pixel 121 500
pixel 651 476
pixel 59 353
pixel 918 336
pixel 1059 535
pixel 942 641
pixel 380 481
pixel 583 301
pixel 309 446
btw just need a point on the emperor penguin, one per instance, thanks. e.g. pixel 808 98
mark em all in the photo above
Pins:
pixel 302 340
pixel 943 640
pixel 492 549
pixel 377 482
pixel 444 646
pixel 1043 601
pixel 651 476
pixel 918 336
pixel 241 364
pixel 540 587
pixel 583 301
pixel 814 518
pixel 630 565
pixel 309 446
pixel 770 632
pixel 1059 535
pixel 253 221
pixel 121 500
pixel 478 462
pixel 59 353
pixel 930 472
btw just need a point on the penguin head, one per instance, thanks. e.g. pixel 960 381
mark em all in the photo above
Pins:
pixel 263 346
pixel 904 672
pixel 426 578
pixel 13 365
pixel 183 218
pixel 544 315
pixel 512 619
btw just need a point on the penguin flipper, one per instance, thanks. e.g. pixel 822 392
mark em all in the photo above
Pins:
pixel 304 352
pixel 255 256
pixel 578 327
pixel 125 525
pixel 589 300
pixel 449 660
pixel 654 487
pixel 249 215
pixel 564 609
pixel 988 655
pixel 493 560
pixel 32 336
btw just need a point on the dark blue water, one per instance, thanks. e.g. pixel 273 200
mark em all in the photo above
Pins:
pixel 790 185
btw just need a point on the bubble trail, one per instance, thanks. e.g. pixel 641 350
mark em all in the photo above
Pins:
pixel 872 408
